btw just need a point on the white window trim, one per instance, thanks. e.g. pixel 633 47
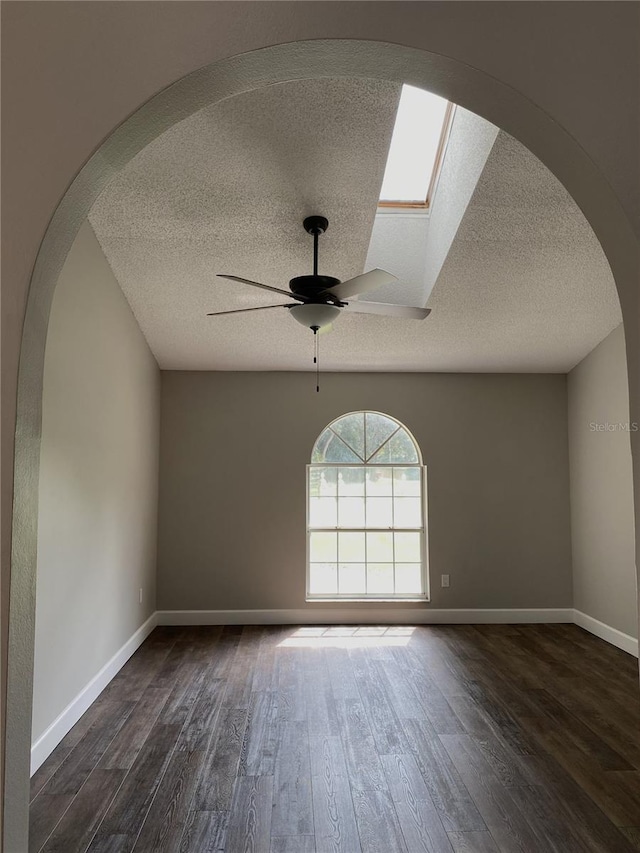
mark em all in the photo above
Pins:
pixel 424 550
pixel 424 542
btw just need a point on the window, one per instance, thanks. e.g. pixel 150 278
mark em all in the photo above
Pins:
pixel 417 147
pixel 366 511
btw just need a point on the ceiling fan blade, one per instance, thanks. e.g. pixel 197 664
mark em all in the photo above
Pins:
pixel 242 310
pixel 286 293
pixel 405 312
pixel 362 284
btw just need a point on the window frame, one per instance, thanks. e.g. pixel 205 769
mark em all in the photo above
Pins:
pixel 423 530
pixel 422 206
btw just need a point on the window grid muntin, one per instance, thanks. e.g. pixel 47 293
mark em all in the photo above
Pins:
pixel 364 413
pixel 344 440
pixel 423 594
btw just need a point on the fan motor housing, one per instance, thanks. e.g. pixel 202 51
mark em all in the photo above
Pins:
pixel 313 285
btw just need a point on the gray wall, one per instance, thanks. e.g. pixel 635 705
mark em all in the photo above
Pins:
pixel 98 482
pixel 232 494
pixel 602 523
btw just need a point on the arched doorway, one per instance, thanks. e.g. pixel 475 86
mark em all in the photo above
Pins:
pixel 460 83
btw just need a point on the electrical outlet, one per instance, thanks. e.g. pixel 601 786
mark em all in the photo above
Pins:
pixel 444 580
pixel 140 596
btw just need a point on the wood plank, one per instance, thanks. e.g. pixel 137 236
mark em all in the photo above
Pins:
pixel 608 657
pixel 292 804
pixel 295 844
pixel 585 738
pixel 400 689
pixel 419 820
pixel 165 819
pixel 258 752
pixel 164 823
pixel 123 749
pixel 541 810
pixel 377 822
pixel 205 832
pixel 503 818
pixel 624 787
pixel 45 813
pixel 250 818
pixel 264 673
pixel 201 724
pixel 342 677
pixel 578 810
pixel 321 713
pixel 129 808
pixel 434 705
pixel 361 753
pixel 240 674
pixel 81 820
pixel 220 767
pixel 473 842
pixel 383 720
pixel 188 684
pixel 615 735
pixel 111 844
pixel 616 792
pixel 225 651
pixel 289 695
pixel 451 798
pixel 439 667
pixel 48 768
pixel 503 760
pixel 138 672
pixel 504 705
pixel 632 833
pixel 334 817
pixel 83 758
pixel 102 708
pixel 580 695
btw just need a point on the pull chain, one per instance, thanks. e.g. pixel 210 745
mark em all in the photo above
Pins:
pixel 316 355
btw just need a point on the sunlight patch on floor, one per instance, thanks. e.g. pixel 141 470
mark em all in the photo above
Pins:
pixel 368 636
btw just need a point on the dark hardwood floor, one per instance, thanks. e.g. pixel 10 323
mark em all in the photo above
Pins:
pixel 450 739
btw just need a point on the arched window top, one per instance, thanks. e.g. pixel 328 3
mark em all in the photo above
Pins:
pixel 366 438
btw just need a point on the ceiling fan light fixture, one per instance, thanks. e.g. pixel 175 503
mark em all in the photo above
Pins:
pixel 314 314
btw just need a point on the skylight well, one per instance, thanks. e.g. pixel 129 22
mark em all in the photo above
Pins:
pixel 416 149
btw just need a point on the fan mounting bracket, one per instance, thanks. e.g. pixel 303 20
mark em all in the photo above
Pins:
pixel 314 287
pixel 315 224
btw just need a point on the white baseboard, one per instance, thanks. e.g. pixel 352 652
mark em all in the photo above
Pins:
pixel 65 721
pixel 617 638
pixel 364 616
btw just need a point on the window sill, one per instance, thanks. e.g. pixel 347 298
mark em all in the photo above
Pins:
pixel 368 600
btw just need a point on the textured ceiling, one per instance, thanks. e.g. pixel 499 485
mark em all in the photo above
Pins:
pixel 525 286
pixel 226 191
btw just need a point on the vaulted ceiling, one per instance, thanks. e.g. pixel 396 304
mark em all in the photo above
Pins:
pixel 524 285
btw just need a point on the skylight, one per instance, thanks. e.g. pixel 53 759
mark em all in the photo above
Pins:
pixel 416 146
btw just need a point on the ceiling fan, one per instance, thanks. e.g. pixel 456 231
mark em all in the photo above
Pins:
pixel 321 298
